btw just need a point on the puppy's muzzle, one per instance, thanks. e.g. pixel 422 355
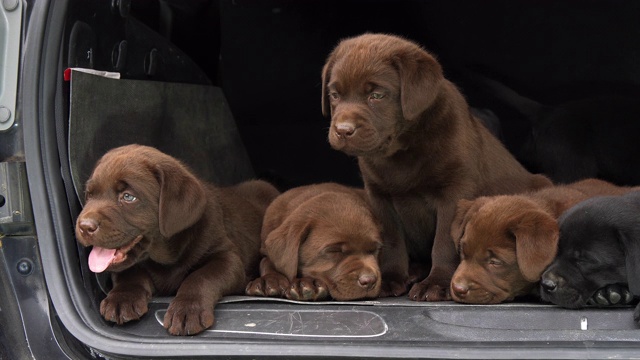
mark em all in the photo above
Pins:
pixel 459 289
pixel 87 227
pixel 344 130
pixel 550 282
pixel 367 281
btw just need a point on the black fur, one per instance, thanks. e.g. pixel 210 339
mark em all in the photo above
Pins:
pixel 599 246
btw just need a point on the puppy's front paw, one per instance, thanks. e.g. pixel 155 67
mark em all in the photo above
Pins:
pixel 611 295
pixel 307 289
pixel 273 285
pixel 124 306
pixel 426 291
pixel 187 317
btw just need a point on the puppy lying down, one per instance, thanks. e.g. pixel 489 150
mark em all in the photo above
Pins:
pixel 319 241
pixel 506 242
pixel 599 245
pixel 158 229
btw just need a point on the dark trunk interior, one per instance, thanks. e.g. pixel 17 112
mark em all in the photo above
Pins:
pixel 558 78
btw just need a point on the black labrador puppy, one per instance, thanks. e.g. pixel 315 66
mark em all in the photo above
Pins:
pixel 592 136
pixel 599 245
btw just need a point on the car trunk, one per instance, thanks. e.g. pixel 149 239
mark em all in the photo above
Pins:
pixel 232 87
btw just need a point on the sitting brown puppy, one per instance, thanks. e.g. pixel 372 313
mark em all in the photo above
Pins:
pixel 158 229
pixel 419 151
pixel 319 241
pixel 505 242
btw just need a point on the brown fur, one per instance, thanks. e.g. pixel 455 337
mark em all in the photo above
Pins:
pixel 419 150
pixel 506 242
pixel 319 241
pixel 194 240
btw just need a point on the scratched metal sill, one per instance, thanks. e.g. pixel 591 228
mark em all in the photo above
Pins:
pixel 398 320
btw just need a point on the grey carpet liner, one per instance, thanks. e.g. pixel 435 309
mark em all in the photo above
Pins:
pixel 190 122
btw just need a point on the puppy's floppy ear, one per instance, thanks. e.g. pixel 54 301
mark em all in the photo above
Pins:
pixel 326 75
pixel 282 244
pixel 463 213
pixel 182 198
pixel 631 247
pixel 420 80
pixel 536 234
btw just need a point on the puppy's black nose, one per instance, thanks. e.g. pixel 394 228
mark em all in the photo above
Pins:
pixel 88 226
pixel 344 130
pixel 548 285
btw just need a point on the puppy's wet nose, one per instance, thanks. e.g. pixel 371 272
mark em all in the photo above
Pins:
pixel 88 226
pixel 459 289
pixel 549 285
pixel 367 280
pixel 344 130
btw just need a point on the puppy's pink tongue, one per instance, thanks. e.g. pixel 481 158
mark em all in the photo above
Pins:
pixel 100 258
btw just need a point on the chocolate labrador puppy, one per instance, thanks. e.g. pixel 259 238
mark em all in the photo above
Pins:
pixel 160 230
pixel 319 241
pixel 505 242
pixel 419 150
pixel 599 245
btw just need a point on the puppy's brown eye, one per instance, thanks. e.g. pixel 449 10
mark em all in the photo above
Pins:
pixel 334 95
pixel 376 96
pixel 128 197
